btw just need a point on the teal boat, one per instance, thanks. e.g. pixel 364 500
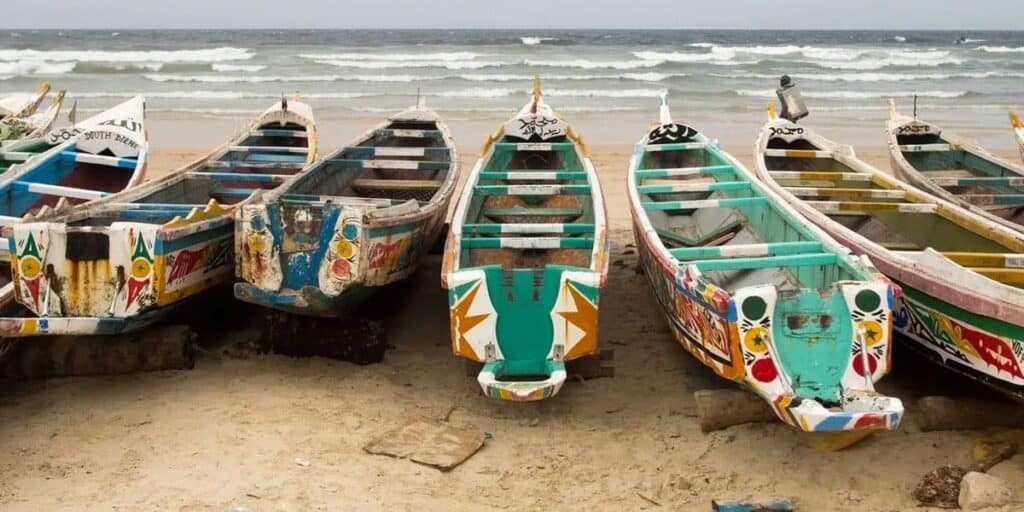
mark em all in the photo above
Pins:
pixel 755 292
pixel 526 257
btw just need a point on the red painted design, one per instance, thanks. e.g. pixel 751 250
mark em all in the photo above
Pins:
pixel 764 370
pixel 858 364
pixel 341 268
pixel 33 289
pixel 185 263
pixel 135 287
pixel 380 252
pixel 992 350
pixel 870 421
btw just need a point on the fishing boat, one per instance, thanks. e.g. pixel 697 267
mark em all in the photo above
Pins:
pixel 358 220
pixel 20 117
pixel 526 256
pixel 125 260
pixel 962 276
pixel 756 294
pixel 1018 130
pixel 956 169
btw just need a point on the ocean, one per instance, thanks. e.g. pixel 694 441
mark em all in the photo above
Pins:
pixel 201 83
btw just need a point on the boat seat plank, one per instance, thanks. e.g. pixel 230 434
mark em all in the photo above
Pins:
pixel 16 156
pixel 58 190
pixel 684 171
pixel 184 207
pixel 109 161
pixel 277 132
pixel 820 176
pixel 533 175
pixel 859 192
pixel 948 173
pixel 865 207
pixel 798 153
pixel 269 149
pixel 679 146
pixel 239 176
pixel 413 165
pixel 531 228
pixel 746 250
pixel 232 192
pixel 994 199
pixel 269 157
pixel 534 146
pixel 792 260
pixel 1010 276
pixel 532 212
pixel 236 164
pixel 705 203
pixel 366 152
pixel 531 190
pixel 1002 181
pixel 397 184
pixel 717 186
pixel 919 148
pixel 410 134
pixel 528 243
pixel 342 200
pixel 983 259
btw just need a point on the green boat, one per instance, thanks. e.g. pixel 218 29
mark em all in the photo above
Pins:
pixel 754 292
pixel 526 256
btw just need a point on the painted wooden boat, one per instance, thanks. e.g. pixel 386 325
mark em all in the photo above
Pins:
pixel 123 261
pixel 756 294
pixel 526 256
pixel 956 169
pixel 1018 131
pixel 962 275
pixel 356 221
pixel 21 118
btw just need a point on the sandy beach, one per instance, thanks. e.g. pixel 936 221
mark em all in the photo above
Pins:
pixel 226 434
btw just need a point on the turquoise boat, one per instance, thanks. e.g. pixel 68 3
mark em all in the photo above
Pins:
pixel 526 256
pixel 956 169
pixel 356 221
pixel 755 292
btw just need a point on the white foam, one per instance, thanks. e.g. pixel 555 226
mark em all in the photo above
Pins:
pixel 533 41
pixel 899 39
pixel 447 64
pixel 856 95
pixel 225 53
pixel 394 57
pixel 604 93
pixel 227 79
pixel 218 95
pixel 247 68
pixel 35 67
pixel 1000 49
pixel 589 64
pixel 480 92
pixel 873 77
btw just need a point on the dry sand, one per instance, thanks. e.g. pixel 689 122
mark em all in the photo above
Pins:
pixel 226 433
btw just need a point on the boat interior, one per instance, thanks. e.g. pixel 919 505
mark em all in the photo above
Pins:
pixel 404 163
pixel 879 210
pixel 23 152
pixel 532 206
pixel 262 160
pixel 706 213
pixel 966 175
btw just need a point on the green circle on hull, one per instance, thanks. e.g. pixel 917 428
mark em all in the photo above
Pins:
pixel 754 307
pixel 867 300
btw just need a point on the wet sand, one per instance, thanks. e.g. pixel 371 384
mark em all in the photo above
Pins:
pixel 226 433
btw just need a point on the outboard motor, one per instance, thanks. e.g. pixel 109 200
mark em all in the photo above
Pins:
pixel 793 107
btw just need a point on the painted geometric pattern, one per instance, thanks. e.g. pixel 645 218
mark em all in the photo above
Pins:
pixel 341 263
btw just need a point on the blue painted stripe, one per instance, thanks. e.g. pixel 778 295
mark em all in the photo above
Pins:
pixel 110 161
pixel 233 192
pixel 267 157
pixel 163 247
pixel 241 176
pixel 797 260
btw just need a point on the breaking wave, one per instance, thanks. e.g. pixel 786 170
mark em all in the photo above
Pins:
pixel 222 54
pixel 856 95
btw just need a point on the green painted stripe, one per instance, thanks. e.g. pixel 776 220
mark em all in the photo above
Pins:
pixel 534 146
pixel 682 146
pixel 994 199
pixel 1004 181
pixel 527 243
pixel 705 203
pixel 493 229
pixel 684 171
pixel 533 175
pixel 985 323
pixel 796 260
pixel 533 212
pixel 531 190
pixel 695 187
pixel 733 251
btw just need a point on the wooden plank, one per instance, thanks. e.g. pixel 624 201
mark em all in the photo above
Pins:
pixel 533 175
pixel 238 164
pixel 820 176
pixel 919 148
pixel 57 190
pixel 705 203
pixel 947 173
pixel 681 146
pixel 268 149
pixel 527 243
pixel 855 207
pixel 982 259
pixel 993 199
pixel 1002 181
pixel 684 171
pixel 695 187
pixel 109 161
pixel 798 153
pixel 746 250
pixel 795 260
pixel 411 165
pixel 241 176
pixel 298 134
pixel 16 156
pixel 856 192
pixel 1010 276
pixel 532 228
pixel 397 184
pixel 530 212
pixel 534 146
pixel 531 190
pixel 411 134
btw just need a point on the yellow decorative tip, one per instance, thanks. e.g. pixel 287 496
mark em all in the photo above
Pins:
pixel 1015 120
pixel 536 87
pixel 771 110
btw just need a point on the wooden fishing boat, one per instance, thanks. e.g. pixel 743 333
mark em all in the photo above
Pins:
pixel 356 221
pixel 122 261
pixel 956 169
pixel 753 292
pixel 526 256
pixel 1018 130
pixel 21 119
pixel 962 275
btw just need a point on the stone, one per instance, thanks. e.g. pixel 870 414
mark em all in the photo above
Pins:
pixel 979 490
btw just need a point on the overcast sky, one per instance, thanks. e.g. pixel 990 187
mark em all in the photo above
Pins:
pixel 740 14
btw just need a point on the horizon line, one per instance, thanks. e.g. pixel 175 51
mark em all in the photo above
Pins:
pixel 410 29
